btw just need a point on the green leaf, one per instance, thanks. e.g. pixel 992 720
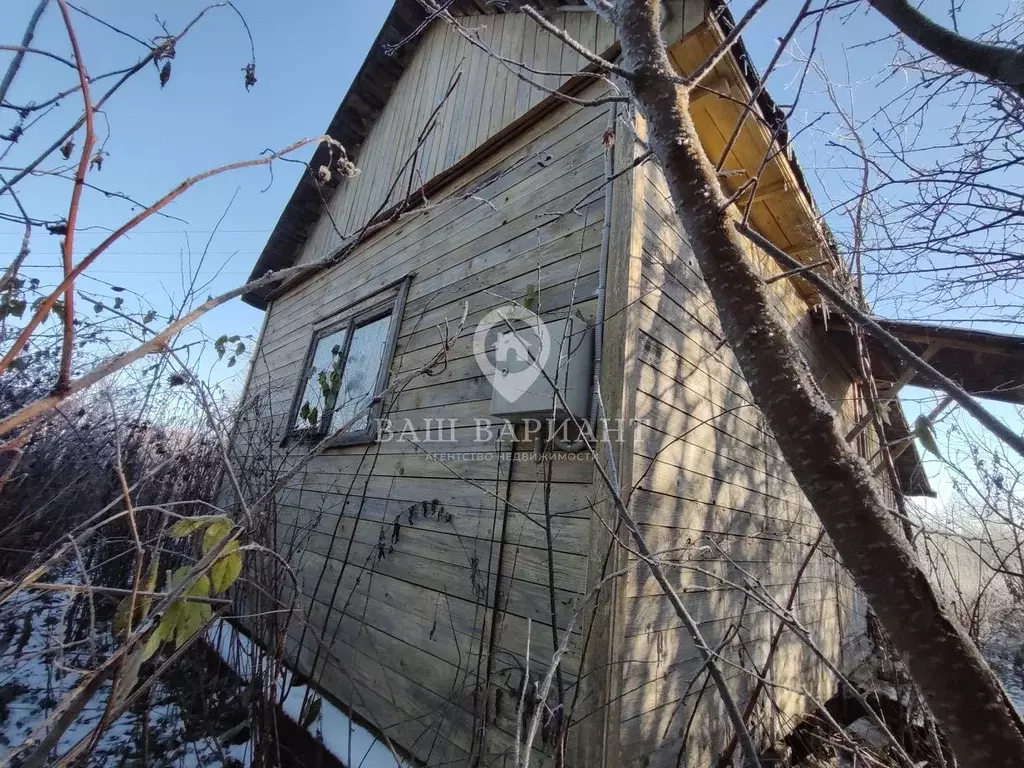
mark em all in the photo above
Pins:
pixel 304 411
pixel 221 346
pixel 226 571
pixel 155 640
pixel 314 416
pixel 189 525
pixel 311 712
pixel 149 585
pixel 201 588
pixel 240 348
pixel 97 307
pixel 142 605
pixel 118 302
pixel 191 618
pixel 924 431
pixel 217 531
pixel 149 317
pixel 121 616
pixel 169 621
pixel 231 362
pixel 177 577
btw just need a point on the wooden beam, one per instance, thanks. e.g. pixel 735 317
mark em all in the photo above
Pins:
pixel 893 391
pixel 599 734
pixel 765 192
pixel 704 91
pixel 803 250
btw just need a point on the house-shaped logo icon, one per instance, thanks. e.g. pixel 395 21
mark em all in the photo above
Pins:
pixel 515 359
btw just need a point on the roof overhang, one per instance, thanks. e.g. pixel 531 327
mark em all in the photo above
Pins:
pixel 985 364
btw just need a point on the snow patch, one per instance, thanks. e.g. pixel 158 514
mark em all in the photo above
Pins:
pixel 348 741
pixel 35 676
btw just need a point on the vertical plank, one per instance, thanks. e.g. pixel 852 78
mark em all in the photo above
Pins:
pixel 514 48
pixel 454 105
pixel 542 40
pixel 391 130
pixel 502 76
pixel 486 73
pixel 476 64
pixel 605 35
pixel 443 53
pixel 404 114
pixel 495 74
pixel 599 737
pixel 570 59
pixel 464 63
pixel 588 33
pixel 426 98
pixel 554 59
pixel 523 88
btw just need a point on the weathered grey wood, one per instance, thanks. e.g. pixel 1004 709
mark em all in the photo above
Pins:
pixel 333 513
pixel 426 627
pixel 598 740
pixel 723 480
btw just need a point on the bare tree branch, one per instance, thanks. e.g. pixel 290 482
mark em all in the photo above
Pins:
pixel 958 685
pixel 995 62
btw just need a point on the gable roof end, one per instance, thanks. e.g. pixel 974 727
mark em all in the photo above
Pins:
pixel 351 124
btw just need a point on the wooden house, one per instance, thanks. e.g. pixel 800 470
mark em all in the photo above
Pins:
pixel 440 568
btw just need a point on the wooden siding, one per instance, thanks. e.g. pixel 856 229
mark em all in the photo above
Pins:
pixel 423 628
pixel 408 618
pixel 488 97
pixel 714 494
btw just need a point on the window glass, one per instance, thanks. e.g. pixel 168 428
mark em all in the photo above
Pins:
pixel 322 377
pixel 361 371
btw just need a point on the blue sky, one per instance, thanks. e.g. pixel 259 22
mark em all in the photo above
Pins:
pixel 863 80
pixel 306 55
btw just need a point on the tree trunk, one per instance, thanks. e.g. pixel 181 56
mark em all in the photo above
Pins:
pixel 958 685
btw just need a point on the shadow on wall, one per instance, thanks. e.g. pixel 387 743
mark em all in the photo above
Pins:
pixel 715 498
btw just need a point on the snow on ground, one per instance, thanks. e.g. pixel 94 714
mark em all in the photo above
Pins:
pixel 348 741
pixel 34 676
pixel 1005 652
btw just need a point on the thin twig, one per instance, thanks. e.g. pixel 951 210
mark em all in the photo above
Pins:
pixel 894 345
pixel 26 41
pixel 47 304
pixel 67 342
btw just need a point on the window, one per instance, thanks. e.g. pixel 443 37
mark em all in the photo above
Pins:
pixel 347 367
